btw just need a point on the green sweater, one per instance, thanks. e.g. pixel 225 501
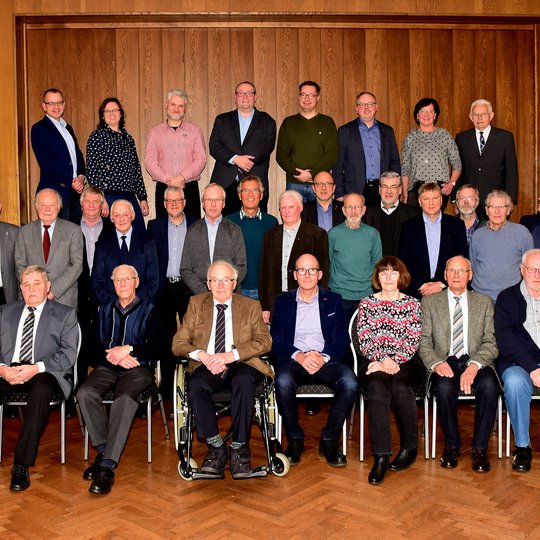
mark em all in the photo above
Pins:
pixel 307 144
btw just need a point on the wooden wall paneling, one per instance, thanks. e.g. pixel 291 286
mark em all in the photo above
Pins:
pixel 354 69
pixel 485 67
pixel 463 77
pixel 241 53
pixel 420 69
pixel 173 62
pixel 105 67
pixel 505 103
pixel 441 76
pixel 332 74
pixel 310 64
pixel 376 59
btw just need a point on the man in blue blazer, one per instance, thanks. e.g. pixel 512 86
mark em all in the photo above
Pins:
pixel 366 148
pixel 59 157
pixel 310 336
pixel 241 143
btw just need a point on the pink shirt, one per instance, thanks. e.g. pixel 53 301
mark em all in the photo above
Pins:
pixel 170 152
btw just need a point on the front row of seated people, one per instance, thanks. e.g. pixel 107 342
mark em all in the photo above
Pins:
pixel 456 334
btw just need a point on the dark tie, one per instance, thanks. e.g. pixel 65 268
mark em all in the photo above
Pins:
pixel 46 243
pixel 457 333
pixel 482 142
pixel 124 250
pixel 220 329
pixel 27 340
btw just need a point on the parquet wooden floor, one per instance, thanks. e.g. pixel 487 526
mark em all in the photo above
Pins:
pixel 313 501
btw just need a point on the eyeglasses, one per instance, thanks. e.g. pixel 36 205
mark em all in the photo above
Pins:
pixel 126 279
pixel 389 273
pixel 393 186
pixel 325 184
pixel 531 270
pixel 480 115
pixel 225 281
pixel 54 103
pixel 356 207
pixel 304 271
pixel 458 271
pixel 111 111
pixel 174 201
pixel 497 207
pixel 245 94
pixel 367 105
pixel 218 199
pixel 303 95
pixel 467 199
pixel 250 190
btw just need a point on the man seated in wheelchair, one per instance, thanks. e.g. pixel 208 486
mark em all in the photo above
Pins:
pixel 223 334
pixel 128 343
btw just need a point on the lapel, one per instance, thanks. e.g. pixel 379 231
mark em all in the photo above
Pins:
pixel 3 249
pixel 474 317
pixel 441 320
pixel 43 326
pixel 491 142
pixel 237 317
pixel 236 128
pixel 13 323
pixel 38 241
pixel 421 238
pixel 207 312
pixel 252 125
pixel 57 238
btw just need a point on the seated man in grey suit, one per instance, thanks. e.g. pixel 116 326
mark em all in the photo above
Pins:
pixel 8 277
pixel 210 239
pixel 458 346
pixel 128 342
pixel 54 244
pixel 38 348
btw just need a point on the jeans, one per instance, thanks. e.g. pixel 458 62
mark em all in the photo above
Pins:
pixel 518 389
pixel 336 375
pixel 306 190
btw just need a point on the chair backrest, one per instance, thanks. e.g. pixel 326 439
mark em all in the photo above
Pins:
pixel 354 340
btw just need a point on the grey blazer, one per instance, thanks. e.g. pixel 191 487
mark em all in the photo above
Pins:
pixel 65 257
pixel 436 329
pixel 56 341
pixel 8 234
pixel 229 247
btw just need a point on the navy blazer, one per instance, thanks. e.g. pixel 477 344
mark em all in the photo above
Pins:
pixel 516 346
pixel 413 249
pixel 350 170
pixel 309 213
pixel 333 325
pixel 224 143
pixel 52 155
pixel 530 221
pixel 142 255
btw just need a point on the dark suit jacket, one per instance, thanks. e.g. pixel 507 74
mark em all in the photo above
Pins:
pixel 224 143
pixel 52 155
pixel 516 346
pixel 496 168
pixel 309 239
pixel 56 340
pixel 530 221
pixel 142 255
pixel 403 212
pixel 8 235
pixel 413 249
pixel 309 213
pixel 350 170
pixel 333 326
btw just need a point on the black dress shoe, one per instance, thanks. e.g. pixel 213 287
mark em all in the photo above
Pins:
pixel 91 472
pixel 215 460
pixel 294 451
pixel 449 458
pixel 312 408
pixel 103 481
pixel 404 459
pixel 20 479
pixel 329 448
pixel 376 475
pixel 522 459
pixel 480 460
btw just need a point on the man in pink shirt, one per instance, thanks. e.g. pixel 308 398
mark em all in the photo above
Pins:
pixel 176 154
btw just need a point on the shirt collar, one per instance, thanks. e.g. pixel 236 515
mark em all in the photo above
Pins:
pixel 299 299
pixel 243 215
pixel 489 228
pixel 217 222
pixel 60 121
pixel 428 220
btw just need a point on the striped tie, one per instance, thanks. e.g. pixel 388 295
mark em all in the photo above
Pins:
pixel 482 142
pixel 220 329
pixel 457 334
pixel 27 339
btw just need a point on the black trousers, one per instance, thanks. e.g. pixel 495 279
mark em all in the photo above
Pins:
pixel 241 379
pixel 191 193
pixel 486 391
pixel 40 388
pixel 398 392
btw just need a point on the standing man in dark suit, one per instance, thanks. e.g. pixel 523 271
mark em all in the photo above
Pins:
pixel 366 148
pixel 38 348
pixel 241 143
pixel 53 244
pixel 488 154
pixel 124 245
pixel 324 211
pixel 427 241
pixel 58 155
pixel 388 216
pixel 8 274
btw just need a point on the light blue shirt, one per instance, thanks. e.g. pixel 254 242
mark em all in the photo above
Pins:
pixel 127 235
pixel 243 122
pixel 176 236
pixel 371 141
pixel 324 217
pixel 433 237
pixel 60 125
pixel 212 234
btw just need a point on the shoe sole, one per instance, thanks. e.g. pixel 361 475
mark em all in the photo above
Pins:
pixel 19 488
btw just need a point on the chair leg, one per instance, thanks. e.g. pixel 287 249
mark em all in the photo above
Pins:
pixel 79 417
pixel 507 433
pixel 149 427
pixel 434 429
pixel 1 429
pixel 499 427
pixel 85 443
pixel 426 427
pixel 361 414
pixel 63 432
pixel 163 416
pixel 352 420
pixel 344 437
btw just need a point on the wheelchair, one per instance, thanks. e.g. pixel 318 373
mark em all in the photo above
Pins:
pixel 265 413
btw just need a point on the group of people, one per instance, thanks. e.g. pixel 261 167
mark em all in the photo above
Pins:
pixel 210 287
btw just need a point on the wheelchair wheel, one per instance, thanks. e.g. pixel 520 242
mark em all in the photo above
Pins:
pixel 280 464
pixel 188 477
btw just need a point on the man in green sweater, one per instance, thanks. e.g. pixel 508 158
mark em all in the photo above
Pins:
pixel 307 142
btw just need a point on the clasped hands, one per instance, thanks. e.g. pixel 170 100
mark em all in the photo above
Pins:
pixel 386 366
pixel 121 356
pixel 216 363
pixel 311 361
pixel 19 374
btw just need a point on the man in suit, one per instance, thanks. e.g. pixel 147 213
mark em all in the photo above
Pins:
pixel 458 347
pixel 53 244
pixel 8 277
pixel 38 348
pixel 488 154
pixel 57 152
pixel 127 343
pixel 366 148
pixel 279 255
pixel 210 239
pixel 176 155
pixel 241 143
pixel 518 364
pixel 388 216
pixel 324 211
pixel 309 334
pixel 223 334
pixel 428 240
pixel 125 245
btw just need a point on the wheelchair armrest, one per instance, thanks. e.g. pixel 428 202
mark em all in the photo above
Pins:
pixel 182 360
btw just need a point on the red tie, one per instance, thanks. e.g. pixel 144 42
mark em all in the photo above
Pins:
pixel 46 243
